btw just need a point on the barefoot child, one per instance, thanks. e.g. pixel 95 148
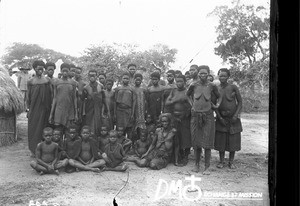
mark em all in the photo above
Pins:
pixel 103 139
pixel 123 140
pixel 57 137
pixel 109 98
pixel 114 154
pixel 88 158
pixel 72 147
pixel 47 155
pixel 228 123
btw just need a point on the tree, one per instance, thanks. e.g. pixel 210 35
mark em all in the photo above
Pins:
pixel 114 58
pixel 243 33
pixel 23 55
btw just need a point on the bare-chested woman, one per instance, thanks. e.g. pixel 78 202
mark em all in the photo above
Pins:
pixel 159 153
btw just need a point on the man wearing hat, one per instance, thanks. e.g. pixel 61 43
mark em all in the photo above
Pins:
pixel 23 77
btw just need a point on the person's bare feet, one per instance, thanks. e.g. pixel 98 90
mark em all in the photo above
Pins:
pixel 231 165
pixel 96 170
pixel 56 172
pixel 196 168
pixel 41 173
pixel 220 165
pixel 206 172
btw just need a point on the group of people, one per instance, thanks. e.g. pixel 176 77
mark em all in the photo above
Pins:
pixel 82 125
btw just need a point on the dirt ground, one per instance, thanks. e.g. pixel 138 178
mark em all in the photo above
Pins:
pixel 20 184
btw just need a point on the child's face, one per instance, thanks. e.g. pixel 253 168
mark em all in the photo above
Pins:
pixel 103 131
pixel 92 76
pixel 113 138
pixel 170 77
pixel 143 135
pixel 120 131
pixel 154 81
pixel 223 77
pixel 125 79
pixel 109 85
pixel 65 72
pixel 85 134
pixel 165 122
pixel 210 78
pixel 148 119
pixel 138 81
pixel 48 136
pixel 102 79
pixel 187 77
pixel 72 133
pixel 56 136
pixel 180 83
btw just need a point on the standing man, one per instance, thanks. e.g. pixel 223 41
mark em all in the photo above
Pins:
pixel 23 78
pixel 39 105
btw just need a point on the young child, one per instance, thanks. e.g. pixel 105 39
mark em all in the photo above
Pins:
pixel 150 126
pixel 187 76
pixel 103 139
pixel 80 85
pixel 109 98
pixel 114 154
pixel 64 106
pixel 202 118
pixel 228 123
pixel 47 155
pixel 72 147
pixel 123 140
pixel 142 145
pixel 58 139
pixel 155 93
pixel 125 104
pixel 88 158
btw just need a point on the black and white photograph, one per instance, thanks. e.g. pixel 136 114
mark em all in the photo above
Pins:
pixel 192 130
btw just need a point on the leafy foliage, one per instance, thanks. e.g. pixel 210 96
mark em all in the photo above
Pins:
pixel 243 33
pixel 23 55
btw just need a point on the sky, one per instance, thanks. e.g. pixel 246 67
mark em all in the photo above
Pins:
pixel 70 26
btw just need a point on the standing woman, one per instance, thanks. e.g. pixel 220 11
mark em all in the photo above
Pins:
pixel 202 120
pixel 39 105
pixel 228 123
pixel 64 106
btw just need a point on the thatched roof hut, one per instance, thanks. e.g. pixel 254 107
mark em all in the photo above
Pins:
pixel 11 104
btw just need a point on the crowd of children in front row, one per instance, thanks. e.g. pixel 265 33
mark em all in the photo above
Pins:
pixel 149 125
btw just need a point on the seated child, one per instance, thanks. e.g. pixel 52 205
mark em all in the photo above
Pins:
pixel 114 154
pixel 123 140
pixel 88 158
pixel 47 155
pixel 57 137
pixel 141 146
pixel 103 139
pixel 72 147
pixel 150 124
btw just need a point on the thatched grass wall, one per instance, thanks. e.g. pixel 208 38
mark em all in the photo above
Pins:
pixel 11 104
